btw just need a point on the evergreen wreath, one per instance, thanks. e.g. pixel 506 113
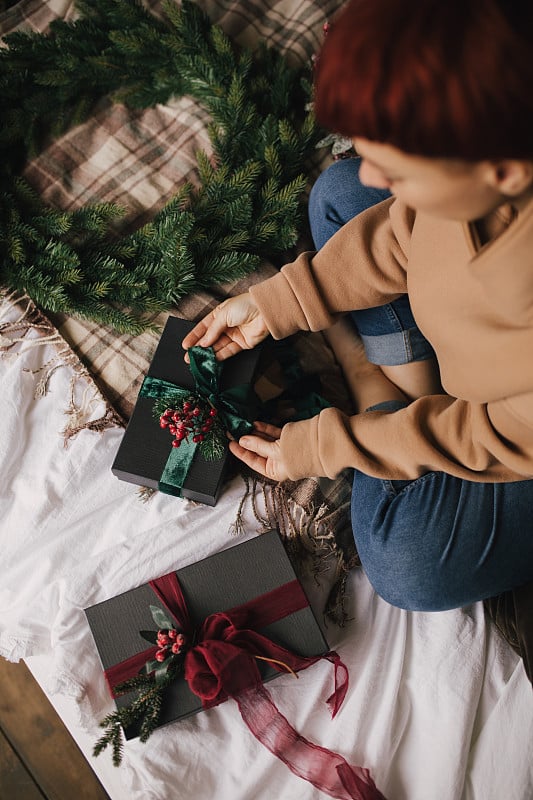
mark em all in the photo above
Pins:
pixel 247 207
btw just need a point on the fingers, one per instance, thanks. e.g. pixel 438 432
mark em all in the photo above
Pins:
pixel 266 448
pixel 261 453
pixel 260 464
pixel 210 331
pixel 225 348
pixel 216 331
pixel 207 331
pixel 194 336
pixel 252 460
pixel 268 430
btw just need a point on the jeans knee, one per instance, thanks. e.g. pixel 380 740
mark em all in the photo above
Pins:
pixel 329 192
pixel 438 542
pixel 326 186
pixel 409 598
pixel 337 196
pixel 402 578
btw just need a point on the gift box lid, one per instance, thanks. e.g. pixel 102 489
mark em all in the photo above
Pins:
pixel 217 583
pixel 145 446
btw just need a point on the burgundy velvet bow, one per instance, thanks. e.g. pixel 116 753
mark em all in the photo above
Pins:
pixel 222 663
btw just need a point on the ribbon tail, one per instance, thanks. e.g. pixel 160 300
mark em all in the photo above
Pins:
pixel 326 770
pixel 358 783
pixel 336 699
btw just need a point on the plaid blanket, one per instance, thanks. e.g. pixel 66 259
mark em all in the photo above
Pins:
pixel 138 159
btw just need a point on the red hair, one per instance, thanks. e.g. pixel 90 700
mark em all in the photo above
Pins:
pixel 436 78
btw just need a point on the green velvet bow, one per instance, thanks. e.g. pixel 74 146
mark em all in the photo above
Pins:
pixel 235 406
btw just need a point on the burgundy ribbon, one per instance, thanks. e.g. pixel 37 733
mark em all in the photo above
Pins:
pixel 222 663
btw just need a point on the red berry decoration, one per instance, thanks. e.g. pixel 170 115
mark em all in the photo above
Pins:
pixel 195 418
pixel 179 643
pixel 160 655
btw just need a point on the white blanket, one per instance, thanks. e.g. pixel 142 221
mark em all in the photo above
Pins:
pixel 438 707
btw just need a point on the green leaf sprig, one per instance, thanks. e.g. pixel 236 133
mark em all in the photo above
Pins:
pixel 150 684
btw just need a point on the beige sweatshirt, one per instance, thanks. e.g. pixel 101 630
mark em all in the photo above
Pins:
pixel 474 304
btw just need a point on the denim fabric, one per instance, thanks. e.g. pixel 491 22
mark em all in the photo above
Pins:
pixel 440 542
pixel 389 332
pixel 437 542
pixel 337 196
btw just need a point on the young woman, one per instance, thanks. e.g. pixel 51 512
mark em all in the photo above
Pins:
pixel 437 267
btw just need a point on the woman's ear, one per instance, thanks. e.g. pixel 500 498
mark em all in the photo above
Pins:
pixel 511 177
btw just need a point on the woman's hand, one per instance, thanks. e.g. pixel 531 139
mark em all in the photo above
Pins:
pixel 261 451
pixel 234 325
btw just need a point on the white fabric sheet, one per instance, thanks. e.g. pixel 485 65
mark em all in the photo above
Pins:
pixel 438 706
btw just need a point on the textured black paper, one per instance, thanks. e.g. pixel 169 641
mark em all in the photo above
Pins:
pixel 145 447
pixel 217 583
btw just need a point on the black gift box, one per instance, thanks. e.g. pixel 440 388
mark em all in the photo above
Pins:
pixel 218 583
pixel 145 447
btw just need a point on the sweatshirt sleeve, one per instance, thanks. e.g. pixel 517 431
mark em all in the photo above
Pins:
pixel 363 265
pixel 473 441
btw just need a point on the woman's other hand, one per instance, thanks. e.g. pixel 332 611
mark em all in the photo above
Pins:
pixel 261 451
pixel 234 325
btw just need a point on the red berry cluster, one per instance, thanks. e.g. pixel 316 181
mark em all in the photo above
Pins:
pixel 170 642
pixel 191 419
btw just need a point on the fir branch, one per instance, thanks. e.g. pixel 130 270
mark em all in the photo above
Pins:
pixel 148 687
pixel 145 709
pixel 172 399
pixel 216 444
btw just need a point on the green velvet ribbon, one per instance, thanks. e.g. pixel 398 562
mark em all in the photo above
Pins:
pixel 302 391
pixel 234 406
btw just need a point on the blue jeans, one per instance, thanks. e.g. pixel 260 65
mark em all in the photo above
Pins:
pixel 389 333
pixel 437 542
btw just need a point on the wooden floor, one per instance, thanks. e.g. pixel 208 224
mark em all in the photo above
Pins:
pixel 39 760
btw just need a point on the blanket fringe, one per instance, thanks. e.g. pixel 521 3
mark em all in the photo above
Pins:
pixel 14 332
pixel 316 534
pixel 146 493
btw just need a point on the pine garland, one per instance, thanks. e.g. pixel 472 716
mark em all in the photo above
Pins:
pixel 249 202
